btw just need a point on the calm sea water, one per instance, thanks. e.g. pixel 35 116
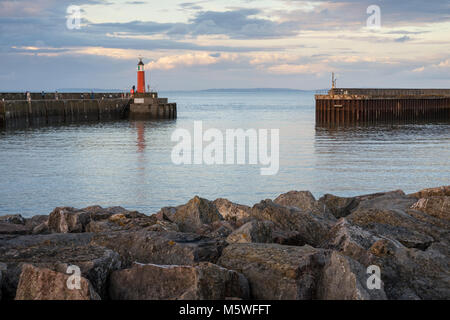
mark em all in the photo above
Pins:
pixel 129 163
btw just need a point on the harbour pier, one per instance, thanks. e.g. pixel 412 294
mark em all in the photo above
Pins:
pixel 35 109
pixel 342 106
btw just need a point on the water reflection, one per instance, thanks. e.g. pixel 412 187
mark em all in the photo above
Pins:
pixel 382 130
pixel 382 157
pixel 140 125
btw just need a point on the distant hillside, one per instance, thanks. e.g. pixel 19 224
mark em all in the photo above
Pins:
pixel 256 90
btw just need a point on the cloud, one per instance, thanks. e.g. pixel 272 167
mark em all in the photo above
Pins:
pixel 403 39
pixel 439 66
pixel 41 8
pixel 235 24
pixel 405 32
pixel 52 32
pixel 190 59
pixel 351 14
pixel 240 24
pixel 272 58
pixel 444 64
pixel 285 69
pixel 190 6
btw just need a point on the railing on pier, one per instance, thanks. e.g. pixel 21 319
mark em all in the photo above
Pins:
pixel 390 92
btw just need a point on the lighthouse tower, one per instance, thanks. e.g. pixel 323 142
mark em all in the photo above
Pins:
pixel 140 77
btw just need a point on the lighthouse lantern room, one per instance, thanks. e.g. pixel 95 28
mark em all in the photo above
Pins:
pixel 140 77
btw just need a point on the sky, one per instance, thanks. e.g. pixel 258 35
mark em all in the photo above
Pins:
pixel 224 44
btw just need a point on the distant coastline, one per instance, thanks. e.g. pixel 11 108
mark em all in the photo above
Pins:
pixel 256 90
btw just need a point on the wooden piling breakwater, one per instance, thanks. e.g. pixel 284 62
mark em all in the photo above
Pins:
pixel 351 106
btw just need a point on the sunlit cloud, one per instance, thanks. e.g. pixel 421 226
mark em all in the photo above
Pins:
pixel 294 69
pixel 444 64
pixel 191 59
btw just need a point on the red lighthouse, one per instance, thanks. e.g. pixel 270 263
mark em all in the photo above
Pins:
pixel 140 77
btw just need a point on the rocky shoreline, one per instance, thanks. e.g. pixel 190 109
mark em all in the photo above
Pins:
pixel 294 247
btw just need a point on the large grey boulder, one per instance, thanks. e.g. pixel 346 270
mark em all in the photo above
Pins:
pixel 18 225
pixel 345 279
pixel 277 272
pixel 199 216
pixel 233 212
pixel 293 226
pixel 351 240
pixel 195 215
pixel 125 220
pixel 432 192
pixel 393 216
pixel 160 247
pixel 343 206
pixel 203 281
pixel 301 199
pixel 166 214
pixel 305 201
pixel 13 229
pixel 407 273
pixel 13 219
pixel 438 207
pixel 67 220
pixel 253 231
pixel 355 241
pixel 338 206
pixel 96 219
pixel 57 252
pixel 45 284
pixel 412 273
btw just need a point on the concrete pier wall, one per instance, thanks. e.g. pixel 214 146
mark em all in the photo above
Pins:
pixel 19 113
pixel 153 111
pixel 150 106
